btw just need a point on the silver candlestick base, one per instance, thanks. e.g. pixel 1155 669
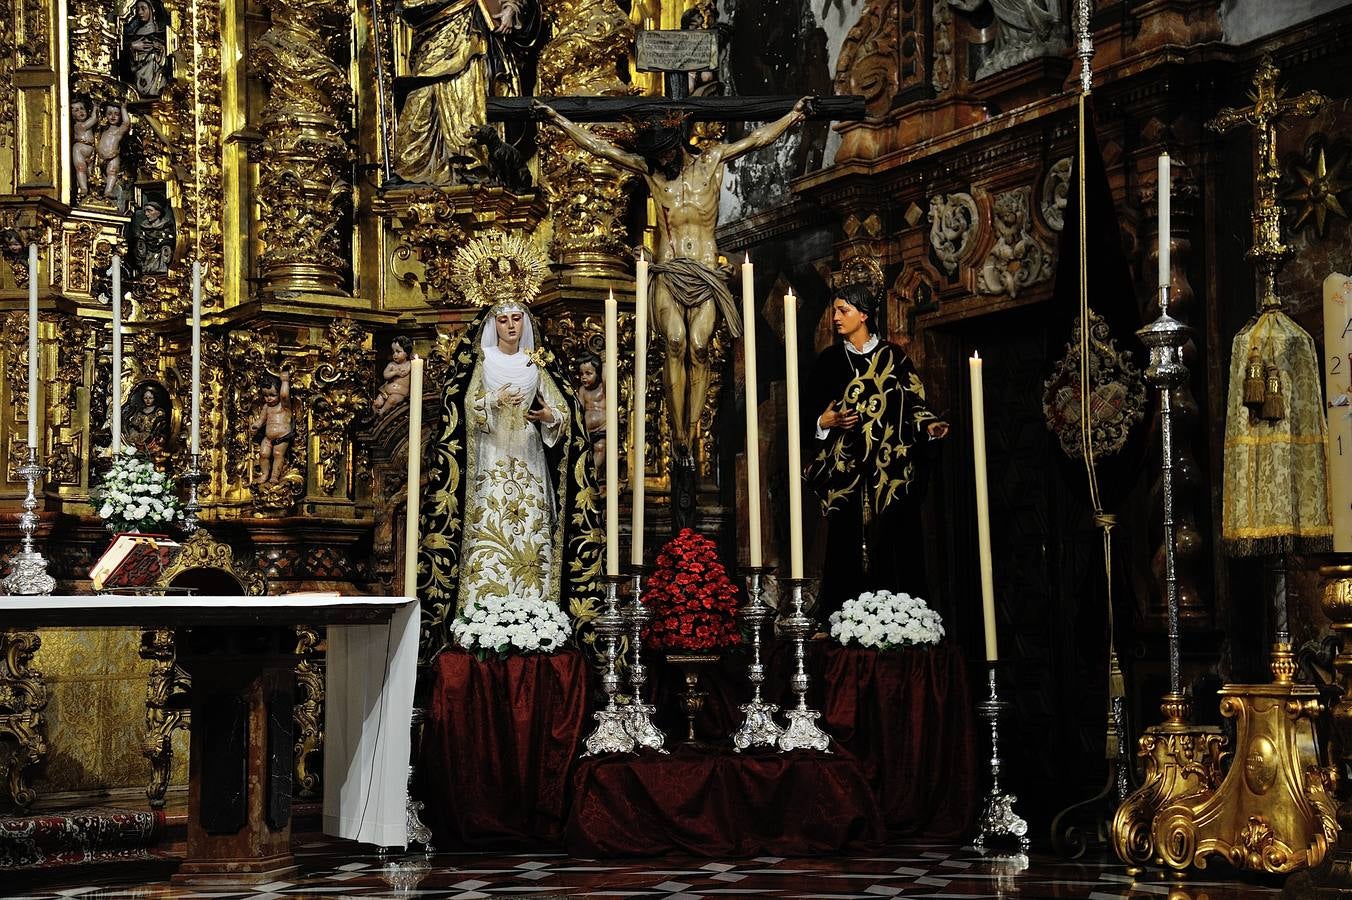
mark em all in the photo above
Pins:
pixel 759 728
pixel 611 735
pixel 28 575
pixel 639 722
pixel 418 832
pixel 802 733
pixel 999 822
pixel 192 478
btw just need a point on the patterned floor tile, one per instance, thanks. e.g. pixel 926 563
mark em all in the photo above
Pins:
pixel 334 869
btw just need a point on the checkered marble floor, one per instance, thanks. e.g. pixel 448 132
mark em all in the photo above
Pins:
pixel 333 870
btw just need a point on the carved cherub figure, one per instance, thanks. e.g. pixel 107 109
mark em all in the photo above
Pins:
pixel 395 389
pixel 83 123
pixel 591 395
pixel 272 426
pixel 116 124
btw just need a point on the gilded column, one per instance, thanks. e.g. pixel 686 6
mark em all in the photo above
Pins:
pixel 303 158
pixel 586 194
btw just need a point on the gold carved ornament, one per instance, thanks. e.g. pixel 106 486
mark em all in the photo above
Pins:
pixel 340 393
pixel 23 696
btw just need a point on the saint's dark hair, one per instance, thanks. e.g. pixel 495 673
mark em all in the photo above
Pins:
pixel 862 298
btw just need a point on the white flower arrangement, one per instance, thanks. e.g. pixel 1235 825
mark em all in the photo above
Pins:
pixel 884 620
pixel 501 625
pixel 135 495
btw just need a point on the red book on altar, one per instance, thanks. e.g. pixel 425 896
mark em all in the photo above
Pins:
pixel 132 560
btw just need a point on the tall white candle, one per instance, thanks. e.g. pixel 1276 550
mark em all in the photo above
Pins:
pixel 415 389
pixel 983 508
pixel 640 406
pixel 612 441
pixel 753 499
pixel 1163 192
pixel 33 346
pixel 196 357
pixel 1338 390
pixel 117 354
pixel 795 437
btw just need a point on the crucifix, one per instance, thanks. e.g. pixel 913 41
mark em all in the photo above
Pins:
pixel 1270 104
pixel 688 290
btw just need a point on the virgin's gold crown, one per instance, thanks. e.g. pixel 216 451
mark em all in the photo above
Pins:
pixel 496 268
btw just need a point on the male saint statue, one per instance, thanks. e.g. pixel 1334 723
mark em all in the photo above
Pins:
pixel 687 287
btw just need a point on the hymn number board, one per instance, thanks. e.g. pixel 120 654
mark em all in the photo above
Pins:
pixel 1338 392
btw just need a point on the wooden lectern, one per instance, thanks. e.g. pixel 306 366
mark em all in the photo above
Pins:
pixel 240 652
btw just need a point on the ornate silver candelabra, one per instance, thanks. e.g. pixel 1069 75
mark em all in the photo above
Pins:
pixel 759 728
pixel 639 721
pixel 611 735
pixel 192 478
pixel 29 576
pixel 999 822
pixel 802 733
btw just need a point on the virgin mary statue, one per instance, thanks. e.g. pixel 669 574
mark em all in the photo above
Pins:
pixel 511 507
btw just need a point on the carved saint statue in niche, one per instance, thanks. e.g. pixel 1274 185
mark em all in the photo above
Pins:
pixel 273 427
pixel 145 418
pixel 108 149
pixel 153 232
pixel 1028 29
pixel 397 373
pixel 145 48
pixel 591 396
pixel 458 58
pixel 83 123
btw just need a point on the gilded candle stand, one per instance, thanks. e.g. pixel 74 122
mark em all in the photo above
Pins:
pixel 1182 760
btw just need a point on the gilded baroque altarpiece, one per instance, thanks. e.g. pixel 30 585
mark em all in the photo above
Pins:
pixel 251 137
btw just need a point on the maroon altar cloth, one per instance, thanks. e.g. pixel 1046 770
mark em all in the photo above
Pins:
pixel 499 754
pixel 722 804
pixel 906 715
pixel 499 746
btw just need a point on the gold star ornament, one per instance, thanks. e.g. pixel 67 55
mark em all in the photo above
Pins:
pixel 1317 193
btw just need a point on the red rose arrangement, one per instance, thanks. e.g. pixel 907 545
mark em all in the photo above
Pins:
pixel 692 599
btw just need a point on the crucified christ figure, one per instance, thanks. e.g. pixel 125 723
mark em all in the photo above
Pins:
pixel 687 287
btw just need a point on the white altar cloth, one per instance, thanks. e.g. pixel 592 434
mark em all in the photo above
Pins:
pixel 370 674
pixel 368 716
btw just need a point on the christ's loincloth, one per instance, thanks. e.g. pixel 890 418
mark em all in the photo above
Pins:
pixel 691 283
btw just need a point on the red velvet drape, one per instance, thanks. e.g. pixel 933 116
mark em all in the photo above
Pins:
pixel 499 746
pixel 500 750
pixel 718 804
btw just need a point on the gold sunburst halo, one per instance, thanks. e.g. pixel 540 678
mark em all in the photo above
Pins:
pixel 497 267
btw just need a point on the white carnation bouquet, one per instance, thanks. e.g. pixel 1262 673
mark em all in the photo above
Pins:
pixel 136 496
pixel 502 625
pixel 884 620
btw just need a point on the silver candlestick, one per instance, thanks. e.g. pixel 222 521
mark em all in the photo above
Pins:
pixel 802 733
pixel 192 478
pixel 639 722
pixel 998 820
pixel 418 832
pixel 610 735
pixel 759 728
pixel 29 569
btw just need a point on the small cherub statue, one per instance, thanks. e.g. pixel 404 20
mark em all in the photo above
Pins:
pixel 272 426
pixel 83 123
pixel 591 395
pixel 395 389
pixel 116 126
